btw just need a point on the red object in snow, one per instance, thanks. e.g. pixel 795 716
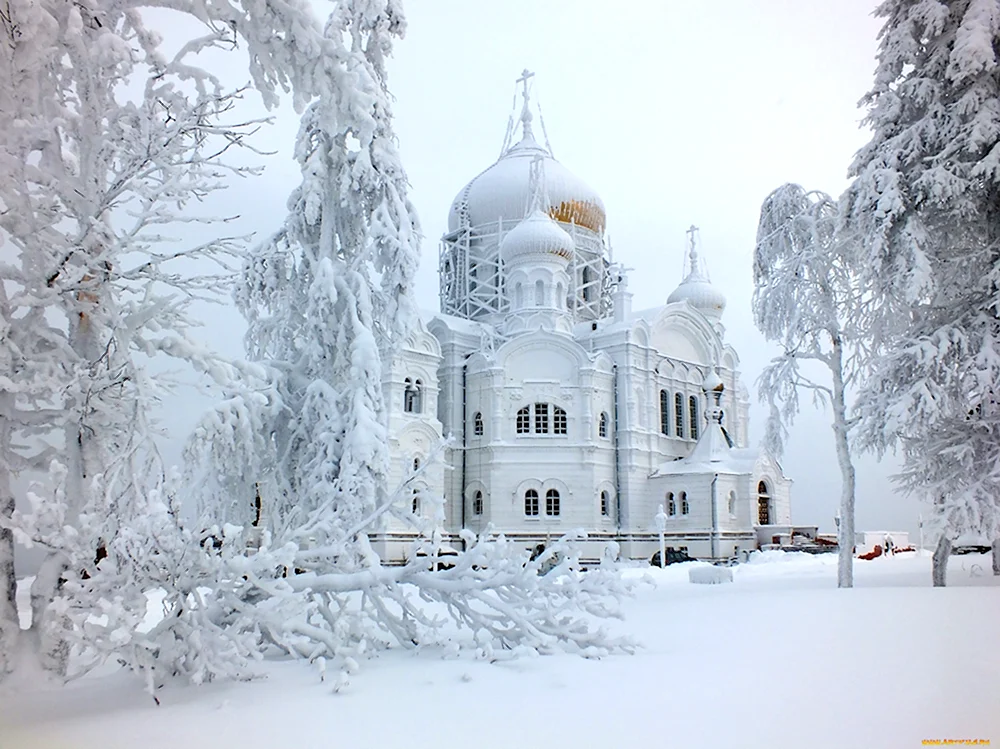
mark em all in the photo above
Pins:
pixel 876 552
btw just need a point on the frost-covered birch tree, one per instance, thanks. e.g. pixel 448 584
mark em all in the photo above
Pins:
pixel 804 298
pixel 925 202
pixel 108 144
pixel 299 467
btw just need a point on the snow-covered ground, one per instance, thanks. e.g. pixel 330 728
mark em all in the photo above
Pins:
pixel 780 657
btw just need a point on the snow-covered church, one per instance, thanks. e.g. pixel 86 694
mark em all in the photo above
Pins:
pixel 568 410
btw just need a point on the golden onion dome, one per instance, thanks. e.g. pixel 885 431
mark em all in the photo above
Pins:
pixel 502 192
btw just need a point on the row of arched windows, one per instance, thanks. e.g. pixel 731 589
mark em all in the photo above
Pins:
pixel 540 300
pixel 672 503
pixel 541 421
pixel 681 502
pixel 531 503
pixel 541 418
pixel 675 427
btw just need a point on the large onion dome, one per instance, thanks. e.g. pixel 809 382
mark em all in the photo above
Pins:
pixel 502 192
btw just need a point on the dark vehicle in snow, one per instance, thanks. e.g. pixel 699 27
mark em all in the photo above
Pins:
pixel 674 556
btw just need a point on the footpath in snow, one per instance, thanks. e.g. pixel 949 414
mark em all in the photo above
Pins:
pixel 779 657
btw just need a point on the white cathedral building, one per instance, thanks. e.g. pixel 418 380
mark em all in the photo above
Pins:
pixel 566 409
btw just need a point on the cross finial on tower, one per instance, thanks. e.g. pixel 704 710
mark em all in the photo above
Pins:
pixel 526 75
pixel 692 233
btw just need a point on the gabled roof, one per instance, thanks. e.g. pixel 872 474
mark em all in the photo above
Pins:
pixel 712 454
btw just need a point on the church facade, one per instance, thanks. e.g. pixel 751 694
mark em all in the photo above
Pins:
pixel 566 410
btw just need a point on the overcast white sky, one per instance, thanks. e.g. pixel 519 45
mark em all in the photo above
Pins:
pixel 676 113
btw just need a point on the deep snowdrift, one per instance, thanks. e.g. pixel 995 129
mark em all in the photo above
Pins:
pixel 780 657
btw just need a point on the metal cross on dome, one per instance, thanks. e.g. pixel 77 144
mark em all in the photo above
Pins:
pixel 692 232
pixel 526 75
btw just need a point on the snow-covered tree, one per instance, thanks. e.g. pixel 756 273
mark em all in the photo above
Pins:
pixel 804 297
pixel 107 146
pixel 925 202
pixel 299 465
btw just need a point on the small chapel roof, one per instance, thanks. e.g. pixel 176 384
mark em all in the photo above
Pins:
pixel 715 457
pixel 714 451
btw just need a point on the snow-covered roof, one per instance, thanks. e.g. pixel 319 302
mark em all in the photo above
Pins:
pixel 502 192
pixel 536 237
pixel 697 290
pixel 457 324
pixel 712 454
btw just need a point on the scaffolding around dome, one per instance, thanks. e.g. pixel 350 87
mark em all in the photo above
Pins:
pixel 470 267
pixel 472 273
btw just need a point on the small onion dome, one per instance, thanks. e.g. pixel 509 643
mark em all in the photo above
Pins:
pixel 698 291
pixel 713 383
pixel 537 235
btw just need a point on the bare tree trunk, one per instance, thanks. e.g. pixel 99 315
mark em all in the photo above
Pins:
pixel 939 563
pixel 845 534
pixel 53 650
pixel 996 556
pixel 9 624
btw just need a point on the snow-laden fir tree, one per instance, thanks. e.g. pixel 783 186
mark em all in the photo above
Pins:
pixel 107 145
pixel 299 467
pixel 925 201
pixel 805 295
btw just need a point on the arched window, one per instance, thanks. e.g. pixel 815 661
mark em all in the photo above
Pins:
pixel 602 426
pixel 477 424
pixel 693 410
pixel 732 504
pixel 541 418
pixel 605 504
pixel 586 278
pixel 763 504
pixel 411 395
pixel 524 421
pixel 477 504
pixel 416 502
pixel 416 464
pixel 664 412
pixel 558 420
pixel 519 295
pixel 678 414
pixel 560 296
pixel 531 503
pixel 671 505
pixel 539 293
pixel 685 507
pixel 552 503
